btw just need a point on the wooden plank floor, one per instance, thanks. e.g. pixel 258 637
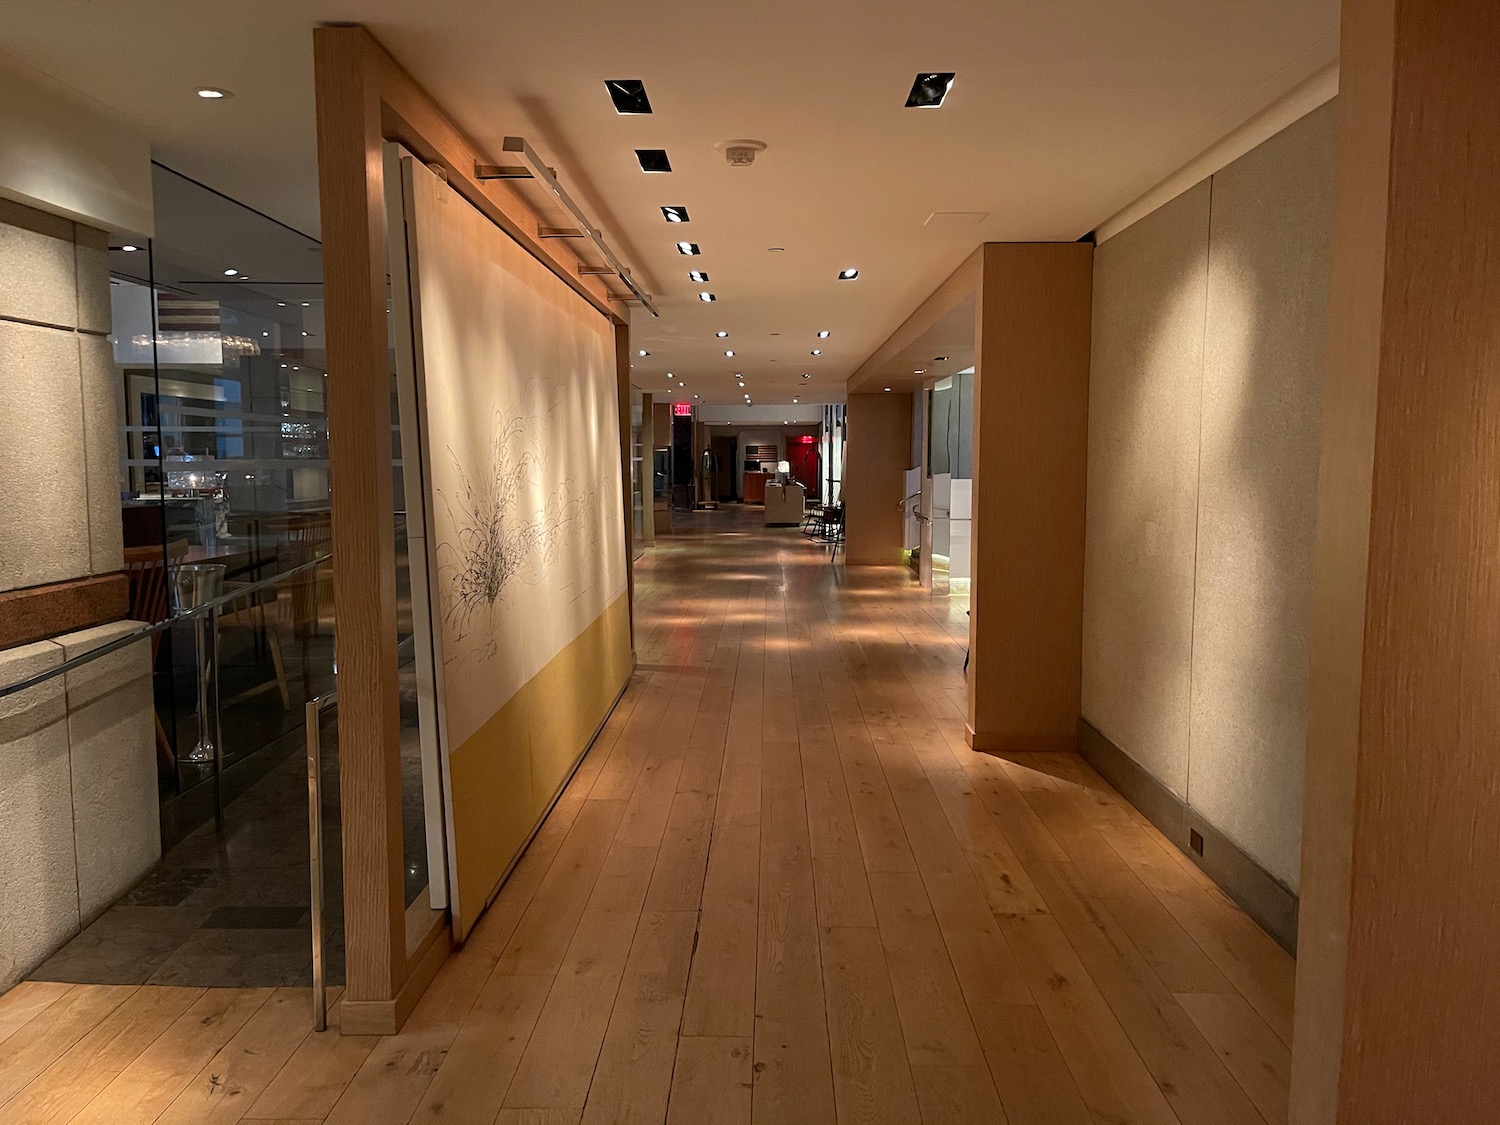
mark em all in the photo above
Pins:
pixel 780 889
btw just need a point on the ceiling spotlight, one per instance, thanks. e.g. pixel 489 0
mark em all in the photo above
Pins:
pixel 776 249
pixel 129 249
pixel 675 214
pixel 628 95
pixel 213 93
pixel 929 90
pixel 653 159
pixel 706 296
pixel 939 359
pixel 721 335
pixel 697 275
pixel 817 351
pixel 697 396
pixel 920 371
pixel 643 352
pixel 823 335
pixel 807 375
pixel 730 353
pixel 888 388
pixel 848 275
pixel 231 273
pixel 794 398
pixel 688 248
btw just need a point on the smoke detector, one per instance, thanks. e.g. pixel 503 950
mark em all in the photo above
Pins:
pixel 741 153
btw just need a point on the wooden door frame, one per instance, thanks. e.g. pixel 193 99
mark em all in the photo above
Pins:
pixel 364 100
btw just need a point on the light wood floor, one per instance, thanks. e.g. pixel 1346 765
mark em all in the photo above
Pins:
pixel 780 889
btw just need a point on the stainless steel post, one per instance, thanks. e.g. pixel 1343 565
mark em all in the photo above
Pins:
pixel 315 856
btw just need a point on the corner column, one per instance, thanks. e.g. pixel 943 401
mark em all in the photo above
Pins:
pixel 1031 381
pixel 1398 998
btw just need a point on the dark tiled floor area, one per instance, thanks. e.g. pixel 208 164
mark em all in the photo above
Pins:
pixel 232 909
pixel 226 911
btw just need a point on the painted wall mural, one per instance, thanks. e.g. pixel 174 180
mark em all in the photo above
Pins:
pixel 517 391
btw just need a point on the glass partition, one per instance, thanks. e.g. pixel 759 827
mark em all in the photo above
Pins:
pixel 222 392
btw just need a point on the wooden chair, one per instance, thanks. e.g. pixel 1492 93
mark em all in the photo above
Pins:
pixel 149 571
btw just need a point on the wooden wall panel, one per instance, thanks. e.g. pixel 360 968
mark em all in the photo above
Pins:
pixel 1030 462
pixel 875 464
pixel 1399 987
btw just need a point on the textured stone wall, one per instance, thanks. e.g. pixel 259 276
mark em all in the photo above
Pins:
pixel 59 459
pixel 1205 395
pixel 77 791
pixel 78 807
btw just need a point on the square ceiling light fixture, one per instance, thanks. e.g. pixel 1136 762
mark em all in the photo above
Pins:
pixel 629 96
pixel 653 159
pixel 929 90
pixel 675 214
pixel 705 296
pixel 848 275
pixel 698 275
pixel 688 248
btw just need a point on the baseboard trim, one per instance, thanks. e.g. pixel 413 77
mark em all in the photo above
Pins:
pixel 996 742
pixel 385 1017
pixel 1259 893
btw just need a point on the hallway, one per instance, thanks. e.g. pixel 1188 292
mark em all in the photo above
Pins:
pixel 779 889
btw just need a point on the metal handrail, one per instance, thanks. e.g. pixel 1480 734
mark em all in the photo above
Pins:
pixel 147 630
pixel 313 713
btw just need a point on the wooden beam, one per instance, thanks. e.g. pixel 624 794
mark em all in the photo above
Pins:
pixel 352 195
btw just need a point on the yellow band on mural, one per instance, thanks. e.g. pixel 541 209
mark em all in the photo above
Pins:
pixel 506 775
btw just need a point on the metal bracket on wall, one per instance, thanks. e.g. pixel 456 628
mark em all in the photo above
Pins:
pixel 531 167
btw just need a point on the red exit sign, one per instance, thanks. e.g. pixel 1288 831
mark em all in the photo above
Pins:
pixel 682 410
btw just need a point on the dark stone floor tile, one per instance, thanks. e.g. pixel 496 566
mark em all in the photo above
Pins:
pixel 124 946
pixel 256 918
pixel 237 959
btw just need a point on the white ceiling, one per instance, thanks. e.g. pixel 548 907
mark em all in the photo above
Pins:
pixel 1063 112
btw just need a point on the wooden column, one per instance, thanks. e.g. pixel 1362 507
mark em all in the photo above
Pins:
pixel 351 188
pixel 875 464
pixel 1398 976
pixel 648 469
pixel 1030 458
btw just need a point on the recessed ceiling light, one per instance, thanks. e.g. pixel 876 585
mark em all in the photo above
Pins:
pixel 688 248
pixel 730 353
pixel 848 275
pixel 721 335
pixel 129 249
pixel 888 388
pixel 823 335
pixel 697 396
pixel 776 249
pixel 939 359
pixel 929 90
pixel 213 93
pixel 307 304
pixel 794 398
pixel 231 273
pixel 653 159
pixel 807 375
pixel 817 351
pixel 643 352
pixel 628 95
pixel 920 371
pixel 698 275
pixel 705 296
pixel 675 214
